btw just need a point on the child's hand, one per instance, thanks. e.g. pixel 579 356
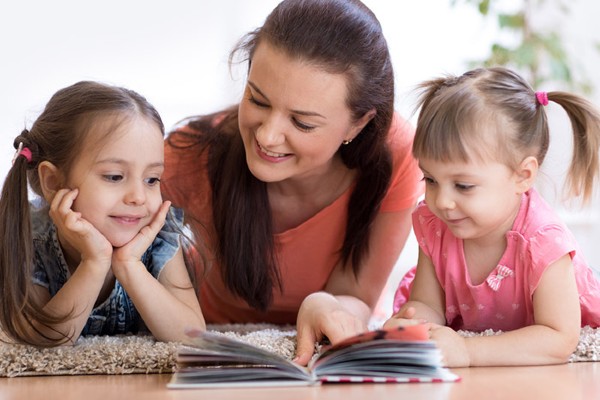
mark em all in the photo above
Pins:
pixel 452 345
pixel 77 232
pixel 132 252
pixel 404 317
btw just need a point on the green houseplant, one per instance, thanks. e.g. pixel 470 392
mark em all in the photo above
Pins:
pixel 537 52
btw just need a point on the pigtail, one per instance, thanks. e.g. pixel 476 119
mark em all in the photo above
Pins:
pixel 16 252
pixel 451 106
pixel 21 312
pixel 585 122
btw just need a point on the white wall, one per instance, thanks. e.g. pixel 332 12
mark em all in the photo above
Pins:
pixel 175 53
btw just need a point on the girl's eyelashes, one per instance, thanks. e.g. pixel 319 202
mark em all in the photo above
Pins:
pixel 428 180
pixel 112 178
pixel 116 178
pixel 464 186
pixel 152 181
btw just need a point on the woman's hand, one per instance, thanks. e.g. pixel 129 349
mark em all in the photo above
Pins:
pixel 76 232
pixel 323 315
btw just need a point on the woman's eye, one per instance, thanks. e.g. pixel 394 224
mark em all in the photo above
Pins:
pixel 302 126
pixel 253 100
pixel 112 178
pixel 152 181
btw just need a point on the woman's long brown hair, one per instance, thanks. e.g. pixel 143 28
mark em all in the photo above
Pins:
pixel 340 36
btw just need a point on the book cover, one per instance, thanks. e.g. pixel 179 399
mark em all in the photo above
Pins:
pixel 397 355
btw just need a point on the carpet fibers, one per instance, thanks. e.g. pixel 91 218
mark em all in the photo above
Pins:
pixel 129 354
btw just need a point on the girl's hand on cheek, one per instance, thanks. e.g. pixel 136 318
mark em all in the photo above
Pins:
pixel 132 251
pixel 76 231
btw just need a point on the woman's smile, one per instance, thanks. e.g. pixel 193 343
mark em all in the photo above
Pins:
pixel 270 155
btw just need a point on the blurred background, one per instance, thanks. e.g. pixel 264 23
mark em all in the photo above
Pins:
pixel 175 53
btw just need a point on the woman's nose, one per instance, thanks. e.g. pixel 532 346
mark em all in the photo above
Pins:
pixel 272 131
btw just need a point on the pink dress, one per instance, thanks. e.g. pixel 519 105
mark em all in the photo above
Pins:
pixel 504 301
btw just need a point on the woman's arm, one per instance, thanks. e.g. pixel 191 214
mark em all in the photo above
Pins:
pixel 343 309
pixel 551 340
pixel 168 305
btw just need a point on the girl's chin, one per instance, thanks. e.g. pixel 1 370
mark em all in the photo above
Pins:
pixel 461 233
pixel 120 241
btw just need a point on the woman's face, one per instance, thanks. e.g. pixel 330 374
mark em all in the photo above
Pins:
pixel 293 117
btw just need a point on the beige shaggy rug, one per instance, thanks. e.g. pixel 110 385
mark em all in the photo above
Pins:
pixel 128 354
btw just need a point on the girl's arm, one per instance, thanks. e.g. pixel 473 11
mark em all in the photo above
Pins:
pixel 168 305
pixel 426 302
pixel 79 294
pixel 75 299
pixel 343 309
pixel 551 340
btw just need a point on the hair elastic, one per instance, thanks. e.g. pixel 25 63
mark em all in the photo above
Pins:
pixel 23 151
pixel 542 98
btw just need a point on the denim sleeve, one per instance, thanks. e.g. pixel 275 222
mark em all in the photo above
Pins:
pixel 166 244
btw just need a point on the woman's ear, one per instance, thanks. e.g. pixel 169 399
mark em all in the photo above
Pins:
pixel 358 126
pixel 526 173
pixel 51 180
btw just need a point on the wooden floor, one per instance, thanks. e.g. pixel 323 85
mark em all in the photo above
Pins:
pixel 571 381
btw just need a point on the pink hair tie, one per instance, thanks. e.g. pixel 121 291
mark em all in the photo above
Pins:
pixel 23 151
pixel 26 153
pixel 542 98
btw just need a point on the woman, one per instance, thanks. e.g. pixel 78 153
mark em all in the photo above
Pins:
pixel 302 194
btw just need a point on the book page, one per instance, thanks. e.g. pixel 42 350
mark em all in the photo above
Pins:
pixel 212 359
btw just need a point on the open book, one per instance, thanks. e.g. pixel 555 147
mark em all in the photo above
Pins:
pixel 397 355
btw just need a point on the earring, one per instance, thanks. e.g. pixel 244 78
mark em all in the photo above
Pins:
pixel 345 142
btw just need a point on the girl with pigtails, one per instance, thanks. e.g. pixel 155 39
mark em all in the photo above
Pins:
pixel 492 253
pixel 97 252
